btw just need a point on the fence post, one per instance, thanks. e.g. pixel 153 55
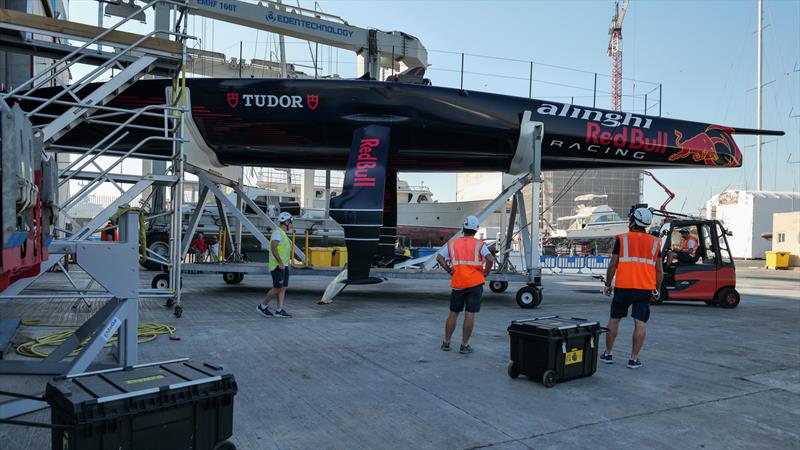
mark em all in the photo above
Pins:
pixel 530 82
pixel 462 71
pixel 659 99
pixel 594 92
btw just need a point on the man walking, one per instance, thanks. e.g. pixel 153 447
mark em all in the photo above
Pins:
pixel 468 261
pixel 637 265
pixel 280 256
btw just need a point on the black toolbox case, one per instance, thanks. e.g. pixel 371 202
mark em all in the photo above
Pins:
pixel 170 406
pixel 553 348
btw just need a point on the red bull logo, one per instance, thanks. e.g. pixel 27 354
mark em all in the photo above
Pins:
pixel 714 147
pixel 366 161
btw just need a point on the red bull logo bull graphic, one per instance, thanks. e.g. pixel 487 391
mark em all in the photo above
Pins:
pixel 714 146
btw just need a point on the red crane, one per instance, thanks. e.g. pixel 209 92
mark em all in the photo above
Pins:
pixel 615 52
pixel 670 194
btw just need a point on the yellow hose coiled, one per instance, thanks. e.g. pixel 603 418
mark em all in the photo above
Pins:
pixel 147 331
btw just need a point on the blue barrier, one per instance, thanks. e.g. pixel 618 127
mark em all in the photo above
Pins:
pixel 548 262
pixel 579 263
pixel 570 262
pixel 597 263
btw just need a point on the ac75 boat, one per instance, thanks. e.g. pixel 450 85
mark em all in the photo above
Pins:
pixel 374 129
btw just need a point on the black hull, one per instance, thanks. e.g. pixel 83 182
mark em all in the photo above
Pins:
pixel 310 124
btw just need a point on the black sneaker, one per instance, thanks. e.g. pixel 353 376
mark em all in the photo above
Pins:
pixel 282 313
pixel 264 311
pixel 607 358
pixel 634 363
pixel 445 346
pixel 465 349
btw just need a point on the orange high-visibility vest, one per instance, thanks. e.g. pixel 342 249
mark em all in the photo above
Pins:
pixel 638 253
pixel 685 246
pixel 465 256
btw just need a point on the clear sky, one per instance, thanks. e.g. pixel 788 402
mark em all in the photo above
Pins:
pixel 702 52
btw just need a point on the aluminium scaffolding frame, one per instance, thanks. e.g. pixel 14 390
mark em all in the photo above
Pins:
pixel 133 56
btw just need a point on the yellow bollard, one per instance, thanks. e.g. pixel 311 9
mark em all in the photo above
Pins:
pixel 305 260
pixel 294 234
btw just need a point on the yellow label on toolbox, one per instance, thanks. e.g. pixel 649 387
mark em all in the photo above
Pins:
pixel 142 380
pixel 573 356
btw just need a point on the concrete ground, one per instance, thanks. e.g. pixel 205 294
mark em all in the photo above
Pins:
pixel 367 372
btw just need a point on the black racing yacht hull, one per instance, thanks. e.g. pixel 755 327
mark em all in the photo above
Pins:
pixel 374 129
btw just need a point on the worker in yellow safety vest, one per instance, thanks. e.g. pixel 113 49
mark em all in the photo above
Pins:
pixel 636 263
pixel 468 261
pixel 280 256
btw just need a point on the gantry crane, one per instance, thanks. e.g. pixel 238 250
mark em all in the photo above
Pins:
pixel 615 52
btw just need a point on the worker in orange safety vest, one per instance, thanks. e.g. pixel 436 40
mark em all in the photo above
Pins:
pixel 636 263
pixel 468 261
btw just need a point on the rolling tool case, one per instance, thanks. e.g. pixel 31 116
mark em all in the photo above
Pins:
pixel 553 348
pixel 170 406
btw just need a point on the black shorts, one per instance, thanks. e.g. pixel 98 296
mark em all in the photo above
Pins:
pixel 280 278
pixel 469 297
pixel 624 298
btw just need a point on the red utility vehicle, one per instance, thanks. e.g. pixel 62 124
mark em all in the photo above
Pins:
pixel 703 273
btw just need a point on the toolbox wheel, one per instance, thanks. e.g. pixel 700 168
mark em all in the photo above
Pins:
pixel 225 445
pixel 728 298
pixel 549 378
pixel 232 277
pixel 513 370
pixel 178 311
pixel 240 277
pixel 170 303
pixel 529 297
pixel 498 286
pixel 160 281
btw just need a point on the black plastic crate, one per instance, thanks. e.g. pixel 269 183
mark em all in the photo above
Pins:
pixel 553 348
pixel 169 406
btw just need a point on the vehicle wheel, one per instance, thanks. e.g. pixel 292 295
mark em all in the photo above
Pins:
pixel 157 243
pixel 727 298
pixel 513 370
pixel 498 286
pixel 160 281
pixel 178 311
pixel 225 445
pixel 711 303
pixel 170 303
pixel 529 297
pixel 240 277
pixel 549 378
pixel 231 277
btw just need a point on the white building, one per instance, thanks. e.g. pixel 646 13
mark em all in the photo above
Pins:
pixel 747 215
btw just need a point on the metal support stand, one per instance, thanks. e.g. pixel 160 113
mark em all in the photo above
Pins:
pixel 120 280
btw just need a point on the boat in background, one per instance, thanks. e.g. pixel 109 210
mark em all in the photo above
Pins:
pixel 425 222
pixel 593 220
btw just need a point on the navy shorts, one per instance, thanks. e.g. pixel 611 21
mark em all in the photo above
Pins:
pixel 280 278
pixel 625 298
pixel 469 297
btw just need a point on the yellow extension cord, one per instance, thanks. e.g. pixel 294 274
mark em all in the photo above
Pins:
pixel 147 331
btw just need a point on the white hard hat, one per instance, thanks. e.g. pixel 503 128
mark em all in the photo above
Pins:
pixel 471 223
pixel 284 217
pixel 642 217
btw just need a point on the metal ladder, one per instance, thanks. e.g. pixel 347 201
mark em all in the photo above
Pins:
pixel 86 101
